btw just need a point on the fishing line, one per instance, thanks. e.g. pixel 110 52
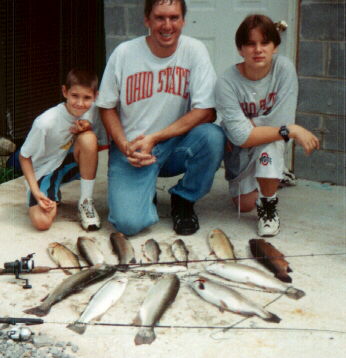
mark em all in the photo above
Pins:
pixel 144 264
pixel 165 326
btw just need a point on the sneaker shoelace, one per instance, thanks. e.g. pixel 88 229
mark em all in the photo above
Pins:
pixel 88 209
pixel 268 210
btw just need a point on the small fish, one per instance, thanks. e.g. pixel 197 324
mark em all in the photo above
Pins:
pixel 159 297
pixel 160 268
pixel 228 299
pixel 221 245
pixel 87 247
pixel 122 248
pixel 100 302
pixel 63 257
pixel 180 251
pixel 271 258
pixel 70 285
pixel 151 250
pixel 252 276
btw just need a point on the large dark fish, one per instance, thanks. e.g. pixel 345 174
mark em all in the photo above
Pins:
pixel 159 297
pixel 70 285
pixel 122 248
pixel 271 258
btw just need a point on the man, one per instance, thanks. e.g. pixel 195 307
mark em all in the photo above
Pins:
pixel 157 102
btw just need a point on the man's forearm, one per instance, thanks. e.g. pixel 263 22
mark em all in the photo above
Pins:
pixel 113 126
pixel 184 124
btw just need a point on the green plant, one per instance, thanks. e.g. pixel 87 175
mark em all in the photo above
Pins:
pixel 7 174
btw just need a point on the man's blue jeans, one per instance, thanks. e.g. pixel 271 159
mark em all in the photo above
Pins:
pixel 131 190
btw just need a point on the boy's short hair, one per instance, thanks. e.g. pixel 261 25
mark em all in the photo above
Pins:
pixel 149 4
pixel 265 25
pixel 81 77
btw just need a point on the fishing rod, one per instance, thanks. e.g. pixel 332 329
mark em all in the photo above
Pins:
pixel 26 264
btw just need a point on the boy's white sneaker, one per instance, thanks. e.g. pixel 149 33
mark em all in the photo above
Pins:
pixel 88 215
pixel 268 218
pixel 288 178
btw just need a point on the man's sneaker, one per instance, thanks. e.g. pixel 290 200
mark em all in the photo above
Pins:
pixel 288 179
pixel 185 221
pixel 88 216
pixel 268 218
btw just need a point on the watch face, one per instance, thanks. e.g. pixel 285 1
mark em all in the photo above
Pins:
pixel 284 133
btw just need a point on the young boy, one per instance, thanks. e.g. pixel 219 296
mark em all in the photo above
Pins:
pixel 256 101
pixel 62 147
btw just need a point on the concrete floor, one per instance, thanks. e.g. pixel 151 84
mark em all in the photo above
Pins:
pixel 313 237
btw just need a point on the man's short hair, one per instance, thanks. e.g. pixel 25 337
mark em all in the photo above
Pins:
pixel 81 77
pixel 265 25
pixel 149 4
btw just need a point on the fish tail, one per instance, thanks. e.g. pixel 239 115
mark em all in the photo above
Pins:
pixel 282 276
pixel 77 327
pixel 271 317
pixel 145 335
pixel 294 293
pixel 39 311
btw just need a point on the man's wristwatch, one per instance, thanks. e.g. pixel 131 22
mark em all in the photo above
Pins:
pixel 284 132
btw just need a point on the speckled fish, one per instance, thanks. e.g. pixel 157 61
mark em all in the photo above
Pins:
pixel 70 285
pixel 63 257
pixel 100 302
pixel 151 250
pixel 159 297
pixel 228 299
pixel 271 258
pixel 221 245
pixel 122 248
pixel 180 251
pixel 252 276
pixel 89 250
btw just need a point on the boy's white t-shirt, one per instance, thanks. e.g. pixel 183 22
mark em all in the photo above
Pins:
pixel 50 138
pixel 150 92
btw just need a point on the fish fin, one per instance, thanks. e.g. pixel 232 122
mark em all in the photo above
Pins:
pixel 137 321
pixel 289 269
pixel 77 327
pixel 223 307
pixel 145 335
pixel 44 298
pixel 133 260
pixel 282 276
pixel 66 272
pixel 37 311
pixel 294 293
pixel 272 318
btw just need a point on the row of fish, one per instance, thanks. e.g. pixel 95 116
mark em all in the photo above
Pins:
pixel 123 249
pixel 263 251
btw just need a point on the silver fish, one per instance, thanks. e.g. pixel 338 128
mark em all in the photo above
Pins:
pixel 252 276
pixel 70 285
pixel 89 250
pixel 63 257
pixel 159 297
pixel 151 250
pixel 228 299
pixel 100 302
pixel 221 245
pixel 160 268
pixel 122 248
pixel 180 251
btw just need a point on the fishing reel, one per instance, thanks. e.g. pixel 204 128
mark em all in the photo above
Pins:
pixel 25 265
pixel 19 333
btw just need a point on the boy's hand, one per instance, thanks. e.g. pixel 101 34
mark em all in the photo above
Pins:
pixel 80 125
pixel 44 202
pixel 305 138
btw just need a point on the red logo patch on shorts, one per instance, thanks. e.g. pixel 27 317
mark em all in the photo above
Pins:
pixel 265 159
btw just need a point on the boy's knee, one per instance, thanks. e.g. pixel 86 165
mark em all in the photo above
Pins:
pixel 87 139
pixel 41 224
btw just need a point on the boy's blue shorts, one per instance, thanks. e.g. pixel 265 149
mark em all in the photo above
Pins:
pixel 50 183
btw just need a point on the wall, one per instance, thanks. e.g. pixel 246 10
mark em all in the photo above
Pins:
pixel 321 69
pixel 322 73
